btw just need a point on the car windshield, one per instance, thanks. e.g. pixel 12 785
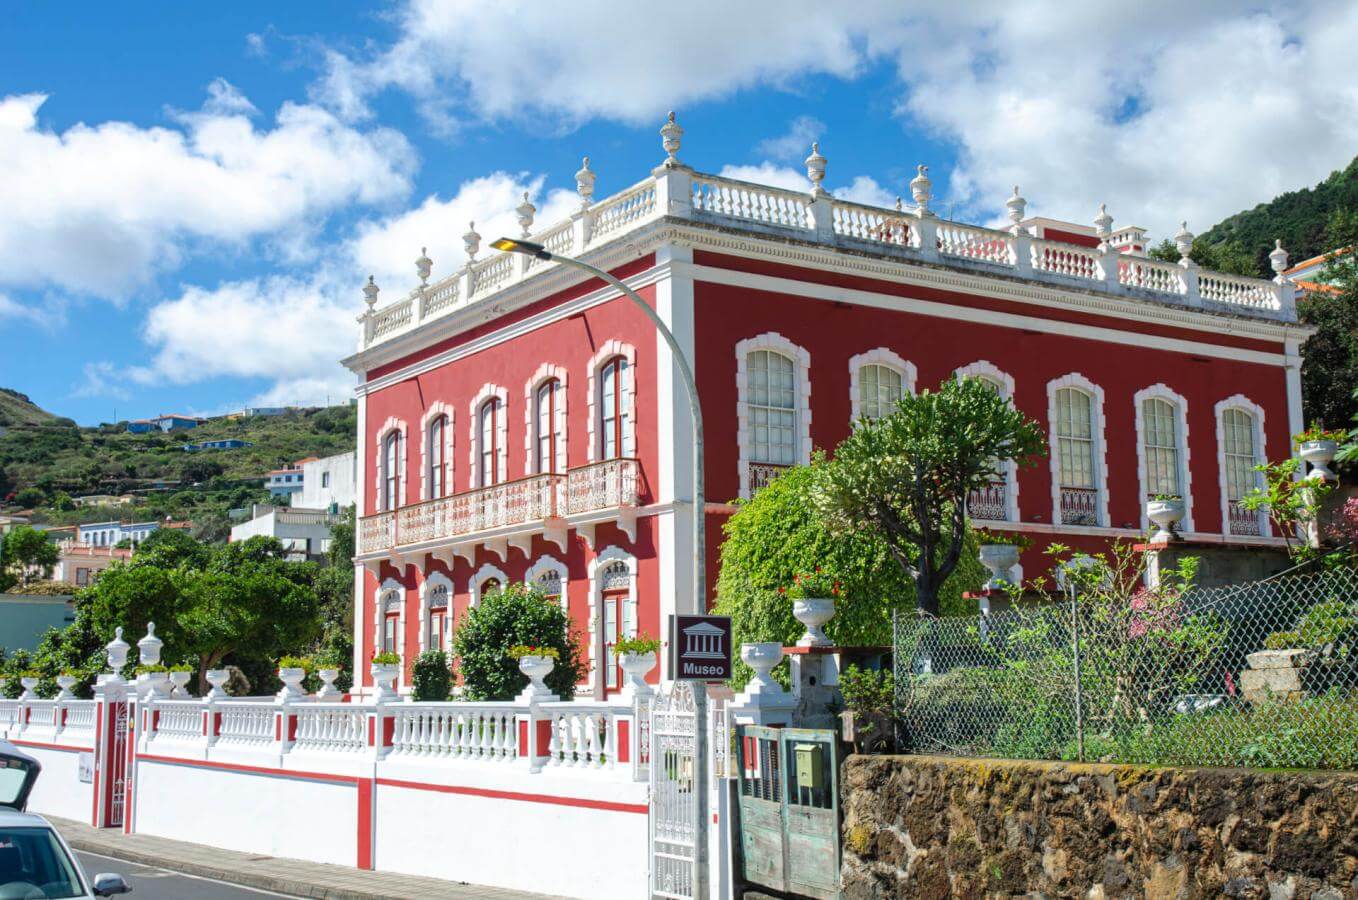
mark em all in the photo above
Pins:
pixel 34 866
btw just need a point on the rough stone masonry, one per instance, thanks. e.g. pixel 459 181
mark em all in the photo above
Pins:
pixel 933 827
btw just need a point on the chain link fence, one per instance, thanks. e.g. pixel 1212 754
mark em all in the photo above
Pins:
pixel 1262 674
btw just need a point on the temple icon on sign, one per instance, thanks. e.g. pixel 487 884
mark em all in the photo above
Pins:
pixel 704 641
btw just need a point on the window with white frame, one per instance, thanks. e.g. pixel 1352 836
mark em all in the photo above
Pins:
pixel 1240 455
pixel 1160 446
pixel 391 471
pixel 545 435
pixel 437 456
pixel 391 621
pixel 880 388
pixel 992 501
pixel 549 584
pixel 771 402
pixel 438 617
pixel 1075 448
pixel 487 443
pixel 613 413
pixel 615 588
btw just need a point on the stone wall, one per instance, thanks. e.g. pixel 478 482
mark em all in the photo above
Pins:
pixel 933 827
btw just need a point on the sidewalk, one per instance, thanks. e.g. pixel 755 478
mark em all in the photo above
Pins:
pixel 294 877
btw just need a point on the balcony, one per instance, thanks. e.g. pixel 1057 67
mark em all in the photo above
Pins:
pixel 1079 506
pixel 990 503
pixel 762 473
pixel 1242 522
pixel 509 514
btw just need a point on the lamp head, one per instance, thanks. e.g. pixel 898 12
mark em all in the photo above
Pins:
pixel 515 245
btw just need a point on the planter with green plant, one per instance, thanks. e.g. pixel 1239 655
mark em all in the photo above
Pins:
pixel 537 663
pixel 386 668
pixel 813 598
pixel 1318 447
pixel 329 665
pixel 67 680
pixel 999 552
pixel 180 676
pixel 292 670
pixel 637 656
pixel 1165 511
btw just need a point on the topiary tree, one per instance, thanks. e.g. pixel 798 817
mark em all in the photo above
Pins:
pixel 431 678
pixel 517 615
pixel 779 533
pixel 906 477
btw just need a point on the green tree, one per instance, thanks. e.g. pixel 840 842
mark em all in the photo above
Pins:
pixel 905 477
pixel 780 533
pixel 517 615
pixel 1329 368
pixel 26 555
pixel 30 497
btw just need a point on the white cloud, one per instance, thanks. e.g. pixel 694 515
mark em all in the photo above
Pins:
pixel 595 58
pixel 795 144
pixel 864 189
pixel 101 379
pixel 99 209
pixel 770 173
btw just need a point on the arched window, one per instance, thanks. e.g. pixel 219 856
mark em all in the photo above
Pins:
pixel 438 618
pixel 487 443
pixel 879 389
pixel 549 583
pixel 772 405
pixel 391 471
pixel 1160 444
pixel 615 589
pixel 992 501
pixel 491 586
pixel 545 434
pixel 1240 432
pixel 1075 436
pixel 438 457
pixel 613 413
pixel 391 621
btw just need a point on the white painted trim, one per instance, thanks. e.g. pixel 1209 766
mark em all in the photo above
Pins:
pixel 392 424
pixel 550 564
pixel 530 417
pixel 489 391
pixel 607 555
pixel 1244 404
pixel 610 349
pixel 360 571
pixel 431 580
pixel 984 368
pixel 880 356
pixel 801 359
pixel 1080 382
pixel 379 616
pixel 487 571
pixel 1161 391
pixel 437 409
pixel 674 449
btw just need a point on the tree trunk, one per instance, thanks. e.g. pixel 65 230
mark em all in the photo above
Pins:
pixel 926 595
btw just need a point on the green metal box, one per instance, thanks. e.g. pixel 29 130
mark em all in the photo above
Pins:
pixel 809 765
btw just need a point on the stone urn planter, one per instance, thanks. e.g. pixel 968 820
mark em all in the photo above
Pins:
pixel 328 690
pixel 66 682
pixel 292 677
pixel 635 666
pixel 998 559
pixel 29 683
pixel 536 668
pixel 762 657
pixel 160 685
pixel 1319 454
pixel 217 678
pixel 814 612
pixel 1166 515
pixel 384 676
pixel 181 680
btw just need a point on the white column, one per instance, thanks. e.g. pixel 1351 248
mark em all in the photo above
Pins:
pixel 674 300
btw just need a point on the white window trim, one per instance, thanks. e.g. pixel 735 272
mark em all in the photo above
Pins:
pixel 984 368
pixel 1076 380
pixel 438 409
pixel 431 580
pixel 379 621
pixel 1244 404
pixel 801 359
pixel 392 424
pixel 489 391
pixel 610 349
pixel 550 564
pixel 483 574
pixel 606 556
pixel 880 356
pixel 1161 391
pixel 530 417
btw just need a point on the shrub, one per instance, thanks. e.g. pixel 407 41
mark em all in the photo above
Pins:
pixel 387 658
pixel 639 644
pixel 517 616
pixel 296 662
pixel 432 679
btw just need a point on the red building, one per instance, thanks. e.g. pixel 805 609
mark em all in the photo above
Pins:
pixel 518 421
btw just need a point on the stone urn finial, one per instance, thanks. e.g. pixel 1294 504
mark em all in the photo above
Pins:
pixel 584 183
pixel 1183 242
pixel 670 134
pixel 117 650
pixel 1016 206
pixel 1277 258
pixel 1103 224
pixel 471 242
pixel 815 170
pixel 424 266
pixel 148 648
pixel 920 187
pixel 525 212
pixel 370 292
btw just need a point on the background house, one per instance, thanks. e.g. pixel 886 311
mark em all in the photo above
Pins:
pixel 170 422
pixel 304 532
pixel 328 482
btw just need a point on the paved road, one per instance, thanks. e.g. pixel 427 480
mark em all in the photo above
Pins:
pixel 160 884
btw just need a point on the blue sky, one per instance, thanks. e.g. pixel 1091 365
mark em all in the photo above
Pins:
pixel 192 202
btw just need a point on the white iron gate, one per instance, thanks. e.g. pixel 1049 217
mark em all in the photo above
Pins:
pixel 673 812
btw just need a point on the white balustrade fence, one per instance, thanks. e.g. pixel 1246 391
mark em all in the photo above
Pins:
pixel 340 727
pixel 246 723
pixel 178 719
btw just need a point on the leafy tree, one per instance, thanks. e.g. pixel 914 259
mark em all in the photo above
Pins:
pixel 905 477
pixel 1329 369
pixel 517 615
pixel 779 533
pixel 198 469
pixel 26 555
pixel 30 497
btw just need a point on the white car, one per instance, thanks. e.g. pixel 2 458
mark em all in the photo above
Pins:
pixel 35 863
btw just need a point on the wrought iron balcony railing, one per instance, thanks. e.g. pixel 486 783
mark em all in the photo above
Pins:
pixel 990 502
pixel 1079 506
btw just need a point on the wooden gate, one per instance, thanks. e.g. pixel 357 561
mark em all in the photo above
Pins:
pixel 789 809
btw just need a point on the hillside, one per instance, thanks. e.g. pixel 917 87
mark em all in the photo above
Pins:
pixel 1299 218
pixel 17 409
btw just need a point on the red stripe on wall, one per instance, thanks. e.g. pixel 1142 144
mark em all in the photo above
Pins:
pixel 366 825
pixel 252 770
pixel 40 745
pixel 515 795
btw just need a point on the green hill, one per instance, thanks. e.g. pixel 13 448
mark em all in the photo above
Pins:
pixel 17 409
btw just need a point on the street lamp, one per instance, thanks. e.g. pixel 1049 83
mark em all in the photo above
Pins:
pixel 537 251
